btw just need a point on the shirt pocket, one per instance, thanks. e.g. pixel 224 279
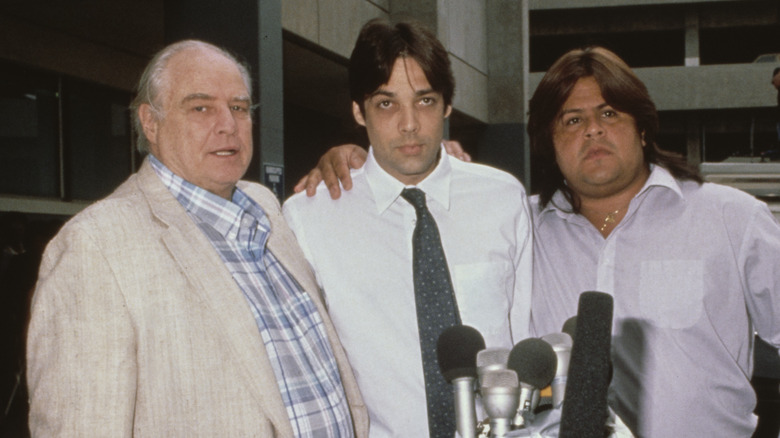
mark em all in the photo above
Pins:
pixel 671 292
pixel 484 293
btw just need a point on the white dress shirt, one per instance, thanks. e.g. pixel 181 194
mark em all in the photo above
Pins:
pixel 360 247
pixel 693 270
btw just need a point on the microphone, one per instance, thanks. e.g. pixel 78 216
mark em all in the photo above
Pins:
pixel 500 399
pixel 561 344
pixel 569 327
pixel 456 352
pixel 534 361
pixel 584 413
pixel 491 359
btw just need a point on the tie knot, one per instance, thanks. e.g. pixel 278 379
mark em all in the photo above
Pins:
pixel 416 197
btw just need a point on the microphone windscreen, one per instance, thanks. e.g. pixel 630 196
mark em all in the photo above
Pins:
pixel 569 327
pixel 534 361
pixel 456 351
pixel 584 412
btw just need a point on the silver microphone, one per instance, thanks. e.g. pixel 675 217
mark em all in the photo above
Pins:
pixel 561 344
pixel 500 399
pixel 491 359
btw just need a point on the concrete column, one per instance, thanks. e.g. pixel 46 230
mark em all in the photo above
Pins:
pixel 693 131
pixel 252 30
pixel 505 143
pixel 424 11
pixel 269 128
pixel 692 38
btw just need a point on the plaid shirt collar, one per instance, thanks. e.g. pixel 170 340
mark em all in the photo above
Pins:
pixel 223 215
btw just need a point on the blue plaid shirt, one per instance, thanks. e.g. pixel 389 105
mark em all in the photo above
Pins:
pixel 291 328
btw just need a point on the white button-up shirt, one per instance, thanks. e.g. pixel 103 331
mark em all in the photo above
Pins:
pixel 360 247
pixel 693 270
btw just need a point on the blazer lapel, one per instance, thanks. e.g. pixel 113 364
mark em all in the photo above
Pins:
pixel 215 287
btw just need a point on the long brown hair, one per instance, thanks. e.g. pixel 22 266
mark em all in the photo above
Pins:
pixel 621 89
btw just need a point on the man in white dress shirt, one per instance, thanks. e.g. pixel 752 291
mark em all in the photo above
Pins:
pixel 360 245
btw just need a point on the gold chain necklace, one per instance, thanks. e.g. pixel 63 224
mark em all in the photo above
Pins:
pixel 610 218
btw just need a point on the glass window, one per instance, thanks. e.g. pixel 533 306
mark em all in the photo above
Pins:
pixel 738 135
pixel 29 160
pixel 61 137
pixel 96 131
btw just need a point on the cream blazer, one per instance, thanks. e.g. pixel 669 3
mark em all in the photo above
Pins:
pixel 138 328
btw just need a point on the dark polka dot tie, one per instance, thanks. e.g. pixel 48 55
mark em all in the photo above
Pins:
pixel 436 310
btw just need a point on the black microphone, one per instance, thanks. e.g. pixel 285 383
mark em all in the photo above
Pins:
pixel 456 351
pixel 535 362
pixel 584 412
pixel 569 327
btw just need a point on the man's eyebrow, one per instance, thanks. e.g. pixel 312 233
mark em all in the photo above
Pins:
pixel 570 111
pixel 381 92
pixel 204 96
pixel 579 110
pixel 243 99
pixel 197 96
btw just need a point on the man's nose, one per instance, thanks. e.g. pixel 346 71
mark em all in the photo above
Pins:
pixel 593 127
pixel 226 121
pixel 409 121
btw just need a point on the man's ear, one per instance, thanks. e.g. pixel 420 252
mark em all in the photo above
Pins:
pixel 358 114
pixel 447 111
pixel 149 122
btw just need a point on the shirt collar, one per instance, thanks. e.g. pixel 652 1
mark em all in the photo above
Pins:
pixel 226 217
pixel 659 177
pixel 386 188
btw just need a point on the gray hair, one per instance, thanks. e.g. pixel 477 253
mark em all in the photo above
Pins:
pixel 152 83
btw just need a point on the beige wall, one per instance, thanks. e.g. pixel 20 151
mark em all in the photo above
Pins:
pixel 334 25
pixel 704 87
pixel 462 28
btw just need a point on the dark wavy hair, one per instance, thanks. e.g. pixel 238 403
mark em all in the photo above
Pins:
pixel 378 46
pixel 621 89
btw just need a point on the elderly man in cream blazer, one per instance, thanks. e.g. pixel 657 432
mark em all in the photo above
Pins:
pixel 145 322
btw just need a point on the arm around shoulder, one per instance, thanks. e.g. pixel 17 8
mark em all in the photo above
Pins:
pixel 333 168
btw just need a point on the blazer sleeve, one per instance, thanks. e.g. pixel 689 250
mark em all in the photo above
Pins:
pixel 81 365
